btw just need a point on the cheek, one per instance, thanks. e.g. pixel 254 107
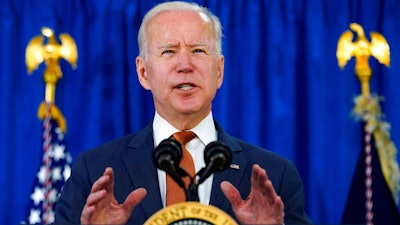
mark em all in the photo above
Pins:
pixel 151 75
pixel 157 80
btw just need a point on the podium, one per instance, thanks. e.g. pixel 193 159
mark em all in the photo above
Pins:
pixel 190 213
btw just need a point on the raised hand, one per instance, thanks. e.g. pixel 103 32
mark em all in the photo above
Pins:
pixel 262 206
pixel 101 206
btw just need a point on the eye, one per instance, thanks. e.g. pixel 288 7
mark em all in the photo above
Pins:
pixel 167 52
pixel 199 50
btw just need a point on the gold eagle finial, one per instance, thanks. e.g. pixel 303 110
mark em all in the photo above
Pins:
pixel 50 52
pixel 362 49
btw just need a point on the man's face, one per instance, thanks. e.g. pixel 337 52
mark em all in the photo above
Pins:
pixel 182 68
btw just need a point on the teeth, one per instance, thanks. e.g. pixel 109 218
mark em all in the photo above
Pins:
pixel 185 87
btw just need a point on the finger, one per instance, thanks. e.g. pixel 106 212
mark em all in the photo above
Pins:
pixel 110 185
pixel 95 197
pixel 101 183
pixel 134 198
pixel 257 180
pixel 86 214
pixel 258 177
pixel 279 203
pixel 279 209
pixel 270 191
pixel 231 193
pixel 261 183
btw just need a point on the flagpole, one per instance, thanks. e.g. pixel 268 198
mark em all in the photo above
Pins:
pixel 50 54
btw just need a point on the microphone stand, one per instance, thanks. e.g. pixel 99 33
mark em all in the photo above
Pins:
pixel 192 193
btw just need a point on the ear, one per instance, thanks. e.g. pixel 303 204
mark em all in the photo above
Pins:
pixel 141 72
pixel 220 77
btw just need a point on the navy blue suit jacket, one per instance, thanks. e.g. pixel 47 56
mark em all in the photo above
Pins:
pixel 131 159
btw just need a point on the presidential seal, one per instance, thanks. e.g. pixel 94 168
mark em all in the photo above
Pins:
pixel 190 213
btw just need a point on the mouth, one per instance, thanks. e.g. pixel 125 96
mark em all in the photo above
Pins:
pixel 185 87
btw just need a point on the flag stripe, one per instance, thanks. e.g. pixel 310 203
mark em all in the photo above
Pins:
pixel 52 174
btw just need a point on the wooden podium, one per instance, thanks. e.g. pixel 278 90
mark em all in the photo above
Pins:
pixel 190 213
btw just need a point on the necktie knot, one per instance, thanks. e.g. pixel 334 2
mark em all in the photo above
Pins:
pixel 183 137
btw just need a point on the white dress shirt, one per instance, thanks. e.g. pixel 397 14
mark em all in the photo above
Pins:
pixel 206 133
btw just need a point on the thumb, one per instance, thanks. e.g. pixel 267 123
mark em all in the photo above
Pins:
pixel 231 193
pixel 134 198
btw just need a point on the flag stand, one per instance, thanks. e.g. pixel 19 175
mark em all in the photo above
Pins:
pixel 367 109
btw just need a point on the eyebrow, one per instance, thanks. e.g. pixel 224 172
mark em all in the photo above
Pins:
pixel 167 46
pixel 198 44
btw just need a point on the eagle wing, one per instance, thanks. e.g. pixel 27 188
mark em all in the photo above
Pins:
pixel 34 53
pixel 380 48
pixel 68 49
pixel 345 48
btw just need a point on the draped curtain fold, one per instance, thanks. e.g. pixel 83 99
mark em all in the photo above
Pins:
pixel 282 87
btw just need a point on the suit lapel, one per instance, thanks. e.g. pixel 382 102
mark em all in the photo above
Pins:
pixel 141 171
pixel 233 174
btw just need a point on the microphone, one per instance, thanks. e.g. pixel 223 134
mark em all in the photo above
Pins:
pixel 217 157
pixel 166 156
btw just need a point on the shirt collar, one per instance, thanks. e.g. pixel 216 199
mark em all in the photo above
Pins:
pixel 205 130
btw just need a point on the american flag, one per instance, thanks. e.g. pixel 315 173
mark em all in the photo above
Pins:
pixel 53 172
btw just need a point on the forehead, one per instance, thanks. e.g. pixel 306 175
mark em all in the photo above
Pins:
pixel 174 22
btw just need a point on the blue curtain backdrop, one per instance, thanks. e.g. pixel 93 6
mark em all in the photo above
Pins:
pixel 282 90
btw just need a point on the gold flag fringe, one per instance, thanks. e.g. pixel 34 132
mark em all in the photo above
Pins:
pixel 55 114
pixel 367 109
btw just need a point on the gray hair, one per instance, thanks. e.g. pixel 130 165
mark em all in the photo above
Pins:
pixel 178 6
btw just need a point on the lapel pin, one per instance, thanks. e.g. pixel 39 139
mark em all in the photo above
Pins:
pixel 235 166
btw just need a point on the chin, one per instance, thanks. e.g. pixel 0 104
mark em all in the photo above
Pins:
pixel 192 106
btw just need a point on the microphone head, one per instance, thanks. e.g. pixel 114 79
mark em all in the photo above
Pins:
pixel 219 154
pixel 167 155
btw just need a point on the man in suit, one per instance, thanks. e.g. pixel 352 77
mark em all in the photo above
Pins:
pixel 181 63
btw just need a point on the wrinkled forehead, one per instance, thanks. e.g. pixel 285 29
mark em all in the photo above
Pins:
pixel 176 18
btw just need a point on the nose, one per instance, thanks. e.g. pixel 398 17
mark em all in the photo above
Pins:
pixel 185 64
